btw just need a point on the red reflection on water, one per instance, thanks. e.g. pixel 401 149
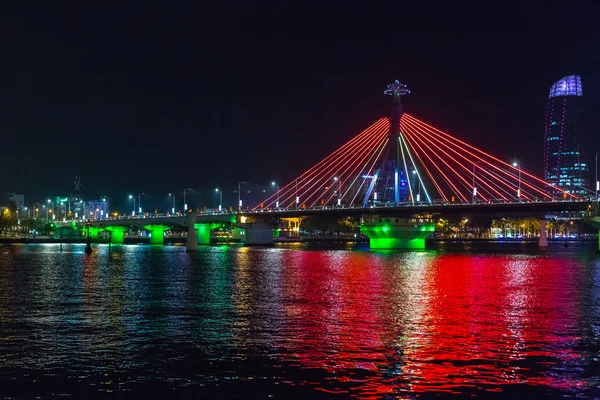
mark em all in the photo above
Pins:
pixel 421 322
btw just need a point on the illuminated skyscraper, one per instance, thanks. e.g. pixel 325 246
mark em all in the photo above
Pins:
pixel 564 158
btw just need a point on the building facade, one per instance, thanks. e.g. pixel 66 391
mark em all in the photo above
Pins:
pixel 565 163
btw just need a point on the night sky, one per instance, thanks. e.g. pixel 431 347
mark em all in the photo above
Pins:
pixel 153 98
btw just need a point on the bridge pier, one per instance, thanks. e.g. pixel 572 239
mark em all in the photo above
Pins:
pixel 258 234
pixel 203 232
pixel 117 233
pixel 397 232
pixel 543 237
pixel 157 233
pixel 191 244
pixel 95 232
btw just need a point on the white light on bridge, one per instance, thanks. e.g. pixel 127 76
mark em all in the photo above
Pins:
pixel 277 204
pixel 474 191
pixel 297 200
pixel 374 195
pixel 140 210
pixel 418 197
pixel 173 210
pixel 219 207
pixel 597 185
pixel 185 207
pixel 240 203
pixel 339 202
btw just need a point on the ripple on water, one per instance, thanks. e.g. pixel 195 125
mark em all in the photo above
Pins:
pixel 296 322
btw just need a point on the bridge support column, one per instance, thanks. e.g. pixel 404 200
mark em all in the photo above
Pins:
pixel 94 232
pixel 157 233
pixel 203 233
pixel 543 236
pixel 191 244
pixel 117 233
pixel 259 234
pixel 397 233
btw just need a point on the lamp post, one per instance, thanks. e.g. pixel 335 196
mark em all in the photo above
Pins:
pixel 185 206
pixel 297 198
pixel 131 197
pixel 474 187
pixel 597 181
pixel 220 198
pixel 516 165
pixel 277 186
pixel 240 194
pixel 140 202
pixel 173 208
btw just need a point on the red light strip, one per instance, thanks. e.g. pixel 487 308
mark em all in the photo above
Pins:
pixel 354 158
pixel 355 173
pixel 439 189
pixel 464 181
pixel 375 161
pixel 498 168
pixel 327 169
pixel 331 163
pixel 412 146
pixel 492 157
pixel 352 163
pixel 326 159
pixel 508 183
pixel 469 172
pixel 358 160
pixel 325 177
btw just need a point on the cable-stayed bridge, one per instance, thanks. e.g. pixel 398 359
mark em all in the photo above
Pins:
pixel 396 175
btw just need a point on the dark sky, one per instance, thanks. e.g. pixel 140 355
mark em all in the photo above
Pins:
pixel 148 98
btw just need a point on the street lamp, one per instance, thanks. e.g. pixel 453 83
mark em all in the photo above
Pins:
pixel 173 209
pixel 277 186
pixel 185 206
pixel 240 194
pixel 131 197
pixel 140 202
pixel 516 165
pixel 474 187
pixel 220 198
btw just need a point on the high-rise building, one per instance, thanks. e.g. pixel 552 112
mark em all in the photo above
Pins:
pixel 565 164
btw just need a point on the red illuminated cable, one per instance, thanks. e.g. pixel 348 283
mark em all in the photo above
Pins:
pixel 456 190
pixel 370 171
pixel 479 177
pixel 492 157
pixel 322 170
pixel 353 173
pixel 324 179
pixel 496 167
pixel 503 180
pixel 499 169
pixel 464 167
pixel 439 189
pixel 363 138
pixel 414 146
pixel 358 165
pixel 464 181
pixel 326 159
pixel 356 160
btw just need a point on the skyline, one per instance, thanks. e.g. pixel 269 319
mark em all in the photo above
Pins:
pixel 120 102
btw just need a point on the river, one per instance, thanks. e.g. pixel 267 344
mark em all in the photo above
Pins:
pixel 297 321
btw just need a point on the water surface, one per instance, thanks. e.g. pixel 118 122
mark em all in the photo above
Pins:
pixel 297 321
